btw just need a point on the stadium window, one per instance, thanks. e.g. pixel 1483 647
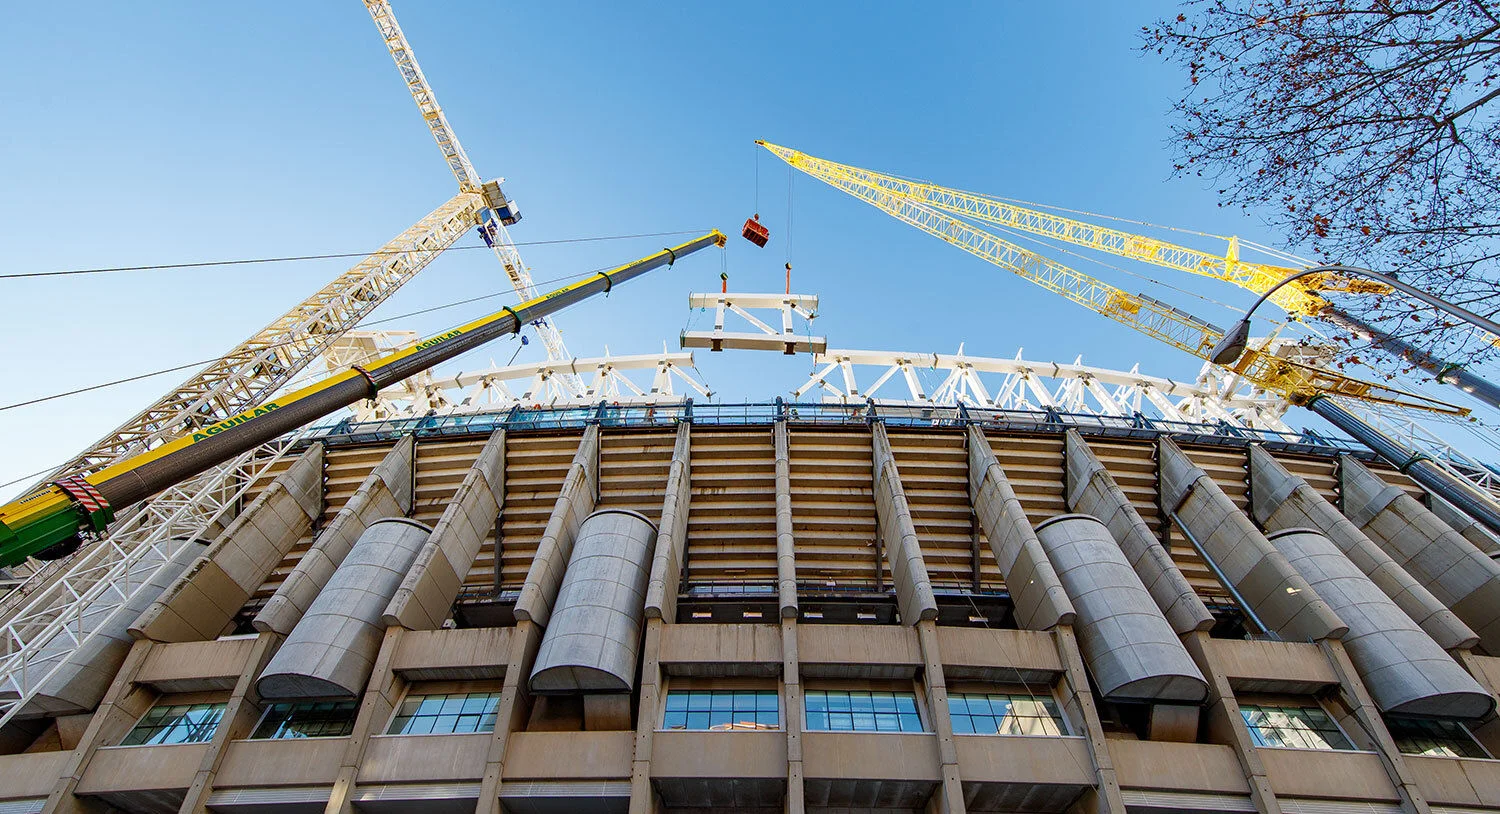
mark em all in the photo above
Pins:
pixel 176 723
pixel 445 714
pixel 1293 727
pixel 722 710
pixel 861 711
pixel 1004 714
pixel 1434 738
pixel 306 719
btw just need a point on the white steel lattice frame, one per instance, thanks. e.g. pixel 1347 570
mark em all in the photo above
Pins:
pixel 537 384
pixel 463 170
pixel 256 368
pixel 1398 424
pixel 789 306
pixel 106 573
pixel 1024 385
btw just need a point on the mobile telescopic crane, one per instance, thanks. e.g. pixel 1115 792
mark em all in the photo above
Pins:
pixel 54 521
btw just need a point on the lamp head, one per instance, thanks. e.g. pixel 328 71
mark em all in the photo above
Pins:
pixel 1232 346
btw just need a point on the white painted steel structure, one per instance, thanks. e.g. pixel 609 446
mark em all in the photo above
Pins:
pixel 463 169
pixel 786 340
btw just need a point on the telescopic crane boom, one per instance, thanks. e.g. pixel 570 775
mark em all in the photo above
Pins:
pixel 909 202
pixel 54 521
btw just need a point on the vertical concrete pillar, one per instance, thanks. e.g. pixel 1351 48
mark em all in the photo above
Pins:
pixel 510 713
pixel 648 713
pixel 1092 490
pixel 1078 704
pixel 574 502
pixel 386 492
pixel 201 604
pixel 786 543
pixel 952 790
pixel 671 541
pixel 1281 500
pixel 1132 652
pixel 1404 669
pixel 903 552
pixel 426 594
pixel 331 651
pixel 1458 574
pixel 1367 714
pixel 1039 599
pixel 381 695
pixel 592 643
pixel 1472 530
pixel 1281 597
pixel 240 715
pixel 791 716
pixel 123 704
pixel 1227 725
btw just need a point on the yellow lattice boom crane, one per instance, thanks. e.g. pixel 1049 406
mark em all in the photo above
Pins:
pixel 936 210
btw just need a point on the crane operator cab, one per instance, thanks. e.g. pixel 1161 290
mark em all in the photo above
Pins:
pixel 504 208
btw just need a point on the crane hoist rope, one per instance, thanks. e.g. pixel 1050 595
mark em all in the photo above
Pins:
pixel 936 210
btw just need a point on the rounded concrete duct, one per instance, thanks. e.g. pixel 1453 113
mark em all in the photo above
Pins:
pixel 593 640
pixel 1402 667
pixel 1131 650
pixel 332 649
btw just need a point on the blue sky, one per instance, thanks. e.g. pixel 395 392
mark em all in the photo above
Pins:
pixel 181 132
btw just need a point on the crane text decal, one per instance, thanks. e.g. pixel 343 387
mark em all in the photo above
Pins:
pixel 208 432
pixel 427 343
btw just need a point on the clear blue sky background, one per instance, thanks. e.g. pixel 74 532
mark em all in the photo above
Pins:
pixel 177 132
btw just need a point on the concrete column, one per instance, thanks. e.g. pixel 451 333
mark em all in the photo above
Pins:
pixel 240 715
pixel 1472 530
pixel 85 673
pixel 1039 599
pixel 642 795
pixel 333 648
pixel 671 541
pixel 574 502
pixel 1078 703
pixel 791 717
pixel 1281 500
pixel 952 790
pixel 1276 592
pixel 1092 490
pixel 510 713
pixel 592 644
pixel 1132 653
pixel 1227 725
pixel 378 703
pixel 1403 668
pixel 425 597
pixel 1459 575
pixel 201 604
pixel 786 543
pixel 1368 715
pixel 386 492
pixel 903 551
pixel 123 704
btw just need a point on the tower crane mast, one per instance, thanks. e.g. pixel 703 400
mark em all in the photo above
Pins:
pixel 501 211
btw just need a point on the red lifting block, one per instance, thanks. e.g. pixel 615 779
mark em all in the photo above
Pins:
pixel 756 233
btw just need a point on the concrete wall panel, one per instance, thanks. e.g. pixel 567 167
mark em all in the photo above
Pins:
pixel 1472 530
pixel 1091 490
pixel 1281 500
pixel 1131 650
pixel 1040 601
pixel 426 593
pixel 1403 668
pixel 1456 572
pixel 386 492
pixel 1276 592
pixel 201 604
pixel 331 651
pixel 593 641
pixel 574 503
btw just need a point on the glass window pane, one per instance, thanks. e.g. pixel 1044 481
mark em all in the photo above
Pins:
pixel 816 701
pixel 817 722
pixel 841 721
pixel 861 702
pixel 768 719
pixel 699 700
pixel 767 700
pixel 838 702
pixel 677 700
pixel 906 703
pixel 697 720
pixel 910 722
pixel 675 719
pixel 721 701
pixel 962 725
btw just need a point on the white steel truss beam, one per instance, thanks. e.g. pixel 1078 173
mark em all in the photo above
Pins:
pixel 786 340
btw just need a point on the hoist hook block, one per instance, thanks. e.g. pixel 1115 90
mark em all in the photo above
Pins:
pixel 756 232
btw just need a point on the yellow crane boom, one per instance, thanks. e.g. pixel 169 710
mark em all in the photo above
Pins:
pixel 911 202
